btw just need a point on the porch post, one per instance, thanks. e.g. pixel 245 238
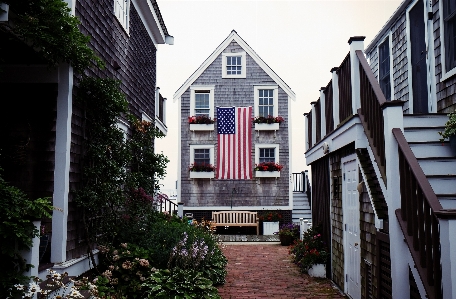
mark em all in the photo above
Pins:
pixel 335 103
pixel 448 248
pixel 322 113
pixel 314 124
pixel 306 131
pixel 356 43
pixel 393 118
pixel 62 163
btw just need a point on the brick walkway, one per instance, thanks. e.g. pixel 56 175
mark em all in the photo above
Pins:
pixel 266 271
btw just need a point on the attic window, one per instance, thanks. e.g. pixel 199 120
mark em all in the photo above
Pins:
pixel 233 65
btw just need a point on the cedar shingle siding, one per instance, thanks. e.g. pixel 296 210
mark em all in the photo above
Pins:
pixel 238 92
pixel 136 55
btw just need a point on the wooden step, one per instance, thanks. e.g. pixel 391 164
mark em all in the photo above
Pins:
pixel 448 201
pixel 431 149
pixel 425 120
pixel 442 184
pixel 418 134
pixel 438 166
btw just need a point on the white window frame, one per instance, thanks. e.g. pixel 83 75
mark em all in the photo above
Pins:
pixel 445 73
pixel 258 146
pixel 201 146
pixel 257 98
pixel 122 125
pixel 122 13
pixel 243 65
pixel 211 89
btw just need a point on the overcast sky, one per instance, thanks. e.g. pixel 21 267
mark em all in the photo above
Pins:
pixel 300 40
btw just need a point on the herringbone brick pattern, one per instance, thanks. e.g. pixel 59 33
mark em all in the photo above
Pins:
pixel 266 271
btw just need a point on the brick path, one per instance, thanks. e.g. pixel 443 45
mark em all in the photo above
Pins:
pixel 266 271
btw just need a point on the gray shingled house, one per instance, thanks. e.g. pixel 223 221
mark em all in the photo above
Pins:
pixel 383 182
pixel 234 86
pixel 44 148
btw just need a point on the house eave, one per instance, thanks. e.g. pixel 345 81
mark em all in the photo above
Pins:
pixel 152 20
pixel 388 25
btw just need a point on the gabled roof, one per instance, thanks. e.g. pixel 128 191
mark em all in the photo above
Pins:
pixel 234 36
pixel 153 21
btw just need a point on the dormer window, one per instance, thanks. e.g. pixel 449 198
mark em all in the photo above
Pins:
pixel 233 65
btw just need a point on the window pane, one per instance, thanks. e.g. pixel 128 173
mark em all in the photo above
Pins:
pixel 266 102
pixel 384 69
pixel 267 155
pixel 202 156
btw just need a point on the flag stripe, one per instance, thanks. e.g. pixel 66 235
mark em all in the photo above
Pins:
pixel 234 143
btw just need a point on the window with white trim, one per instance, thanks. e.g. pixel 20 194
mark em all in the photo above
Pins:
pixel 122 12
pixel 202 154
pixel 449 33
pixel 234 65
pixel 266 100
pixel 265 152
pixel 384 69
pixel 202 101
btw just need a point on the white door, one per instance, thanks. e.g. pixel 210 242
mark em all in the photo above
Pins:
pixel 350 201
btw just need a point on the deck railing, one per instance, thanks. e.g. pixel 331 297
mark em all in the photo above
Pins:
pixel 345 90
pixel 318 121
pixel 164 204
pixel 161 108
pixel 300 182
pixel 417 218
pixel 371 113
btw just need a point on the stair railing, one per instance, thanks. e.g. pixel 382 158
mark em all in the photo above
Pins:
pixel 299 182
pixel 418 218
pixel 371 113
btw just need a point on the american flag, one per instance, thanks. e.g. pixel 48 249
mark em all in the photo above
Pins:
pixel 234 128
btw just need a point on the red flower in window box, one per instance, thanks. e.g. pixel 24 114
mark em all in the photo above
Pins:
pixel 201 119
pixel 268 166
pixel 202 167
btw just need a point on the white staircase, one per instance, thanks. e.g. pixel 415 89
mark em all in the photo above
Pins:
pixel 301 207
pixel 436 159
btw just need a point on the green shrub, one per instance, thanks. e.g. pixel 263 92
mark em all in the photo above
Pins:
pixel 310 251
pixel 179 283
pixel 17 231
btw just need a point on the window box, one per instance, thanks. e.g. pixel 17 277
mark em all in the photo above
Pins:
pixel 267 127
pixel 201 127
pixel 201 174
pixel 267 174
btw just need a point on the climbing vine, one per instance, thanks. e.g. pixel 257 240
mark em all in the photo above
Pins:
pixel 49 28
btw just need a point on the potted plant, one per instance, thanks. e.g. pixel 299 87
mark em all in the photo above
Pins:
pixel 311 254
pixel 267 122
pixel 268 169
pixel 288 233
pixel 450 131
pixel 201 171
pixel 201 123
pixel 270 220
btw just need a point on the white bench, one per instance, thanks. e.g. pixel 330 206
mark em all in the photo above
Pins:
pixel 235 218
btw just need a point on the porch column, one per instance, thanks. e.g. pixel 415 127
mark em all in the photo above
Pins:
pixel 356 43
pixel 62 163
pixel 306 131
pixel 392 116
pixel 448 248
pixel 322 112
pixel 335 103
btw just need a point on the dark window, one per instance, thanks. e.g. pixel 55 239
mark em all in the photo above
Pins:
pixel 202 156
pixel 384 69
pixel 449 18
pixel 267 155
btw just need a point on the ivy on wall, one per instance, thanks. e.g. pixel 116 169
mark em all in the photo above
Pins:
pixel 48 27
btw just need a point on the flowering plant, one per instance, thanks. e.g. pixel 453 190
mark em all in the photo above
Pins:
pixel 268 119
pixel 289 229
pixel 201 119
pixel 268 166
pixel 270 216
pixel 450 127
pixel 310 251
pixel 204 167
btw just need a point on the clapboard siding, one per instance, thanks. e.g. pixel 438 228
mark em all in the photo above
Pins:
pixel 240 93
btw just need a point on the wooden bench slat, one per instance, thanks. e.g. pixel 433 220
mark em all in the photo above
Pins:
pixel 235 218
